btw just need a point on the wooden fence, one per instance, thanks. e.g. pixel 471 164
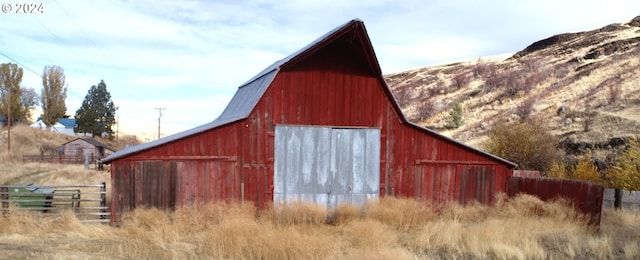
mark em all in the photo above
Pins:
pixel 87 202
pixel 630 200
pixel 585 196
pixel 64 159
pixel 527 173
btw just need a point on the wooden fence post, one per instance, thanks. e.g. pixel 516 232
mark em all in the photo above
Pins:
pixel 103 200
pixel 5 199
pixel 617 201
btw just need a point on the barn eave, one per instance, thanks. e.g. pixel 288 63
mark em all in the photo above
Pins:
pixel 238 109
pixel 509 164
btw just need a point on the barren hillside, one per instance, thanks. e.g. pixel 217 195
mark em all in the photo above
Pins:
pixel 586 85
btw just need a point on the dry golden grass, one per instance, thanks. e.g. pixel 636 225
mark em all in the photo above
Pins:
pixel 50 174
pixel 29 141
pixel 26 140
pixel 392 228
pixel 519 228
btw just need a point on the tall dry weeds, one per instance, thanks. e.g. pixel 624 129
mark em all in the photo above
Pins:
pixel 402 214
pixel 523 227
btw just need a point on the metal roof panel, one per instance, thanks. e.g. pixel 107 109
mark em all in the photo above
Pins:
pixel 249 94
pixel 238 108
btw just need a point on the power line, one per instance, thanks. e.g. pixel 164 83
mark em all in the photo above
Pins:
pixel 74 22
pixel 58 38
pixel 46 28
pixel 34 72
pixel 12 59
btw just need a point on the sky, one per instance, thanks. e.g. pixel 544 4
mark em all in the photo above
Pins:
pixel 189 57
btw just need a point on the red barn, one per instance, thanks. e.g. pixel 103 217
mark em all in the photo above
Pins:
pixel 319 125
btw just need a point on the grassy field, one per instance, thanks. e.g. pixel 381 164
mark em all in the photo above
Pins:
pixel 392 228
pixel 521 228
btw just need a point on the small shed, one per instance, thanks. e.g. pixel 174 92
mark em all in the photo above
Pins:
pixel 86 147
pixel 320 125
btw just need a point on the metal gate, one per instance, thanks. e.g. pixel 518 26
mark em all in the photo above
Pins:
pixel 327 166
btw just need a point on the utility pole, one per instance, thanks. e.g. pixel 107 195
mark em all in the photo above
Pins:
pixel 9 116
pixel 117 127
pixel 159 116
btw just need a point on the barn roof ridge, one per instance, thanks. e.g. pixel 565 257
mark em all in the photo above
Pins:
pixel 242 102
pixel 276 65
pixel 250 92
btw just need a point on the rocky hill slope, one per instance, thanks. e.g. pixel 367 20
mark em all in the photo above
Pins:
pixel 585 85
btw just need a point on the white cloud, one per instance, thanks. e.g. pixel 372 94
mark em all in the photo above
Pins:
pixel 190 56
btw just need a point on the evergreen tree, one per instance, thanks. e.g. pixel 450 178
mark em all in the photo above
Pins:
pixel 54 93
pixel 96 115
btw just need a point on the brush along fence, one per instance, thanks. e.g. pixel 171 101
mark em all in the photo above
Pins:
pixel 87 202
pixel 585 196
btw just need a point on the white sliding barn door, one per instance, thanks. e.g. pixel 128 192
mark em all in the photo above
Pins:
pixel 328 166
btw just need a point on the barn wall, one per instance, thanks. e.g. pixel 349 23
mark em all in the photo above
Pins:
pixel 204 181
pixel 438 171
pixel 219 142
pixel 142 183
pixel 166 184
pixel 333 89
pixel 193 170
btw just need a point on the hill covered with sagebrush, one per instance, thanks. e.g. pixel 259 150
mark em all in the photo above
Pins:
pixel 584 86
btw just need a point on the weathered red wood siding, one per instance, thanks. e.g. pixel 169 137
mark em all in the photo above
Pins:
pixel 197 169
pixel 331 88
pixel 335 86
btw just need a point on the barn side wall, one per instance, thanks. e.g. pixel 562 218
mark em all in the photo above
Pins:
pixel 197 169
pixel 438 171
pixel 334 87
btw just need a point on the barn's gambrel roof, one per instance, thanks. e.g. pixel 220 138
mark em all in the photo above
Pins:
pixel 249 93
